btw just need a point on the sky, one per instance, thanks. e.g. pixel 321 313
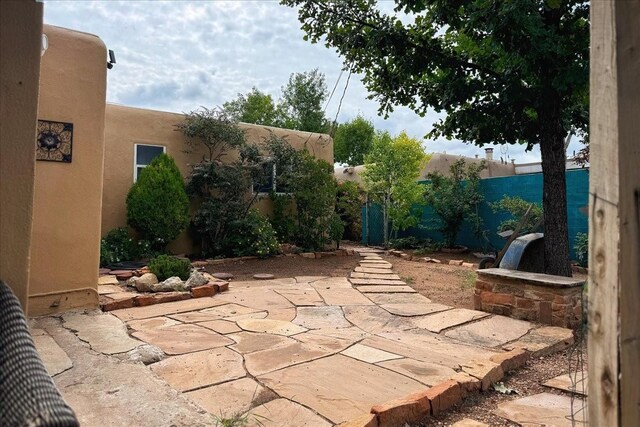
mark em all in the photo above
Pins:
pixel 180 55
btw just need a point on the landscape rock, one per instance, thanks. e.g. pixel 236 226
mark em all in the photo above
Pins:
pixel 146 354
pixel 455 262
pixel 308 255
pixel 208 290
pixel 195 279
pixel 171 284
pixel 263 276
pixel 144 282
pixel 432 260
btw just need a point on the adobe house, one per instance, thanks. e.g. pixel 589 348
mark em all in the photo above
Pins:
pixel 66 191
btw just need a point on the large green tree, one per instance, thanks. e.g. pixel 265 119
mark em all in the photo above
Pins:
pixel 353 141
pixel 255 107
pixel 301 102
pixel 503 72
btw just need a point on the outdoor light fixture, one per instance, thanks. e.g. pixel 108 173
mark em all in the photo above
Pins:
pixel 112 59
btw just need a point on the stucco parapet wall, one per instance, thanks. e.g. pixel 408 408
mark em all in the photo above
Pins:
pixel 78 35
pixel 532 278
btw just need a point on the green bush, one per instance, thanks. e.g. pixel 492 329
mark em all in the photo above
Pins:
pixel 517 207
pixel 581 247
pixel 349 201
pixel 157 204
pixel 252 236
pixel 336 229
pixel 118 246
pixel 165 266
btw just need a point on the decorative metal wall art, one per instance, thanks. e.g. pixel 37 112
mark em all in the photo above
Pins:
pixel 54 141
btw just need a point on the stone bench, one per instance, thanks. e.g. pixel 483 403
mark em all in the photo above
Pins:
pixel 543 298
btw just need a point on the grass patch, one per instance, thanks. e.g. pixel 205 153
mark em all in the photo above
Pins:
pixel 468 280
pixel 409 280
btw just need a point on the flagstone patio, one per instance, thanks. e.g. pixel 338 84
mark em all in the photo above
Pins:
pixel 318 350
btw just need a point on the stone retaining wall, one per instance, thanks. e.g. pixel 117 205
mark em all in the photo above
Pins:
pixel 552 300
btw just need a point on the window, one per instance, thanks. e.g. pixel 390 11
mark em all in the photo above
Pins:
pixel 270 183
pixel 143 155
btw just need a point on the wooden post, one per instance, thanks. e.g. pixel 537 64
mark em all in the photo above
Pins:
pixel 614 204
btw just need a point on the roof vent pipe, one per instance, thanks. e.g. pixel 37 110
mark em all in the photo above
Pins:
pixel 489 153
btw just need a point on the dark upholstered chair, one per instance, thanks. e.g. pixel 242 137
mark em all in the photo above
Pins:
pixel 28 396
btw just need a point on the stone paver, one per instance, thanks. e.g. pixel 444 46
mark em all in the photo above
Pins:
pixel 331 345
pixel 283 412
pixel 338 387
pixel 388 289
pixel 342 296
pixel 427 373
pixel 108 289
pixel 440 321
pixel 545 340
pixel 411 309
pixel 109 280
pixel 321 317
pixel 249 342
pixel 277 327
pixel 221 326
pixel 398 298
pixel 264 361
pixel 227 399
pixel 491 332
pixel 54 358
pixel 301 297
pixel 151 323
pixel 544 409
pixel 103 332
pixel 372 270
pixel 358 282
pixel 200 369
pixel 180 339
pixel 369 354
pixel 575 382
pixel 356 275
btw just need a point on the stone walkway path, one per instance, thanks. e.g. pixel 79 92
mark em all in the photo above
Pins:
pixel 304 351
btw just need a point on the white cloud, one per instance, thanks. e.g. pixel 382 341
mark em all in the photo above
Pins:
pixel 177 56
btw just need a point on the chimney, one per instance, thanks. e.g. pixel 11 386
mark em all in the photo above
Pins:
pixel 489 153
pixel 513 161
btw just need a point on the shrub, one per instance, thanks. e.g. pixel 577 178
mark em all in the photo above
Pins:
pixel 282 220
pixel 252 236
pixel 165 266
pixel 454 198
pixel 581 247
pixel 349 201
pixel 517 207
pixel 336 229
pixel 118 246
pixel 157 204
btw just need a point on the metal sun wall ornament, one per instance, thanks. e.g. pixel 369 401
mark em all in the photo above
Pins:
pixel 54 141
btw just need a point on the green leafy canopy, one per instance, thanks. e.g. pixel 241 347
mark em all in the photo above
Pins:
pixel 353 141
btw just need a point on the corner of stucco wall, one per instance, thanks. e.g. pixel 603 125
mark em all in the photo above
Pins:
pixel 68 196
pixel 20 44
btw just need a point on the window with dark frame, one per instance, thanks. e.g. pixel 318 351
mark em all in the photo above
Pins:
pixel 143 155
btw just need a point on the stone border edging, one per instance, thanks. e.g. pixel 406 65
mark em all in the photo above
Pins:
pixel 145 299
pixel 474 377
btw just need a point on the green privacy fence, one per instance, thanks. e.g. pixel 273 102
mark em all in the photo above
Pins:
pixel 527 187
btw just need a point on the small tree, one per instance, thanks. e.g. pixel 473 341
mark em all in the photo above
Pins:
pixel 301 102
pixel 349 201
pixel 454 198
pixel 157 204
pixel 255 107
pixel 390 177
pixel 517 207
pixel 353 141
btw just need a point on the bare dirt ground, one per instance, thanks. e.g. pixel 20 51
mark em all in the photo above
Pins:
pixel 284 266
pixel 442 283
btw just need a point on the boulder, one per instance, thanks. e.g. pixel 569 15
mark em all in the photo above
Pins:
pixel 171 284
pixel 144 282
pixel 195 279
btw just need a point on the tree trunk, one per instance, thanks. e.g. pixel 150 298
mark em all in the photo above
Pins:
pixel 554 199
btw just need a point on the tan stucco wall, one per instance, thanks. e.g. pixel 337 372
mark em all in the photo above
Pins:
pixel 20 42
pixel 439 162
pixel 68 196
pixel 127 126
